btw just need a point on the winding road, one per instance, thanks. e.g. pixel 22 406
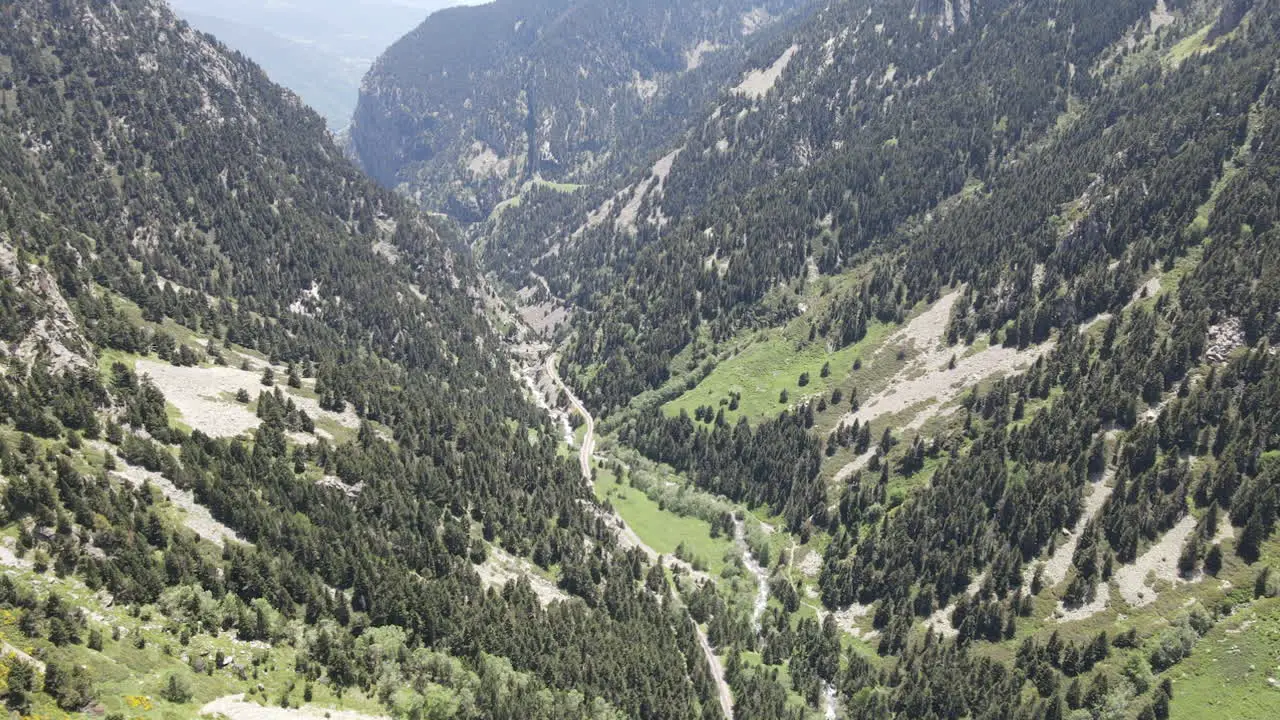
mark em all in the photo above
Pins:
pixel 629 537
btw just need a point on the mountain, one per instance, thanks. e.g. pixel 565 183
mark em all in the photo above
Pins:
pixel 260 440
pixel 324 79
pixel 919 363
pixel 320 50
pixel 479 102
pixel 952 323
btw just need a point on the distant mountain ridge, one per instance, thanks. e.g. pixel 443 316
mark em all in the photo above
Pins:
pixel 319 48
pixel 477 101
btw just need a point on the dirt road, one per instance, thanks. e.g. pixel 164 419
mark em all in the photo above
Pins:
pixel 628 536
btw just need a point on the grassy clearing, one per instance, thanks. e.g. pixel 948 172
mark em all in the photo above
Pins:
pixel 771 363
pixel 1232 672
pixel 341 433
pixel 516 200
pixel 559 187
pixel 128 676
pixel 662 530
pixel 108 358
pixel 1187 47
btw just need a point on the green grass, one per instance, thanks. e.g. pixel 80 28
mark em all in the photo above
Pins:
pixel 129 679
pixel 659 529
pixel 539 182
pixel 1187 47
pixel 557 186
pixel 110 357
pixel 1228 674
pixel 341 433
pixel 175 418
pixel 769 365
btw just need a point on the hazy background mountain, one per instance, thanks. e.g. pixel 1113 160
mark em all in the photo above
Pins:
pixel 479 104
pixel 319 49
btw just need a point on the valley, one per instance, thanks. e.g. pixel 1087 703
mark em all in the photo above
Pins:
pixel 685 361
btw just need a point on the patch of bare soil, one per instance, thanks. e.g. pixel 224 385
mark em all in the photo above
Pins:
pixel 1056 567
pixel 1158 563
pixel 195 516
pixel 235 707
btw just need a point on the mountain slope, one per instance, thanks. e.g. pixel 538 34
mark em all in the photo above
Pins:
pixel 324 79
pixel 947 330
pixel 257 431
pixel 478 101
pixel 320 50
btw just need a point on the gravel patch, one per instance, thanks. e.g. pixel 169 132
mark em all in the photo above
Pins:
pixel 1101 600
pixel 928 380
pixel 810 565
pixel 753 567
pixel 236 707
pixel 1099 319
pixel 202 396
pixel 195 516
pixel 1159 562
pixel 847 620
pixel 8 649
pixel 656 181
pixel 197 394
pixel 10 559
pixel 1160 16
pixel 1056 567
pixel 503 567
pixel 1150 288
pixel 854 466
pixel 940 620
pixel 758 83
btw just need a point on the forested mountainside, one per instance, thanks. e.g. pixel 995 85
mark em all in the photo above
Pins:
pixel 259 443
pixel 918 362
pixel 477 102
pixel 881 121
pixel 943 339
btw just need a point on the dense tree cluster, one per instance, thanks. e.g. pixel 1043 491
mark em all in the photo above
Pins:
pixel 774 464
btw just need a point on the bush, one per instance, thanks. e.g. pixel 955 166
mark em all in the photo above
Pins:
pixel 1174 645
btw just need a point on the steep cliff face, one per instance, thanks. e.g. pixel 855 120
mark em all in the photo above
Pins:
pixel 479 100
